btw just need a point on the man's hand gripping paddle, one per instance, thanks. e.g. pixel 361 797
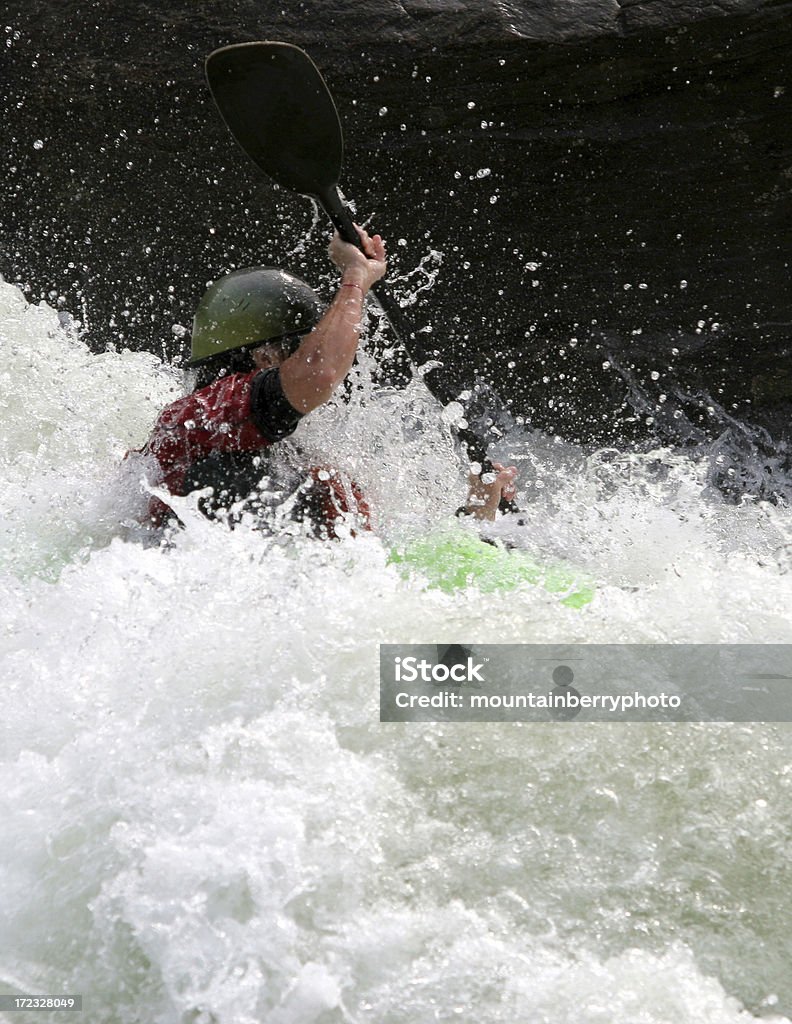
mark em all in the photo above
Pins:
pixel 277 106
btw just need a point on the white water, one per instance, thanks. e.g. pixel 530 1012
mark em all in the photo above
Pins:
pixel 203 820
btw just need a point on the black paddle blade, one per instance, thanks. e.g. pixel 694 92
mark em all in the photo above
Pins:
pixel 278 108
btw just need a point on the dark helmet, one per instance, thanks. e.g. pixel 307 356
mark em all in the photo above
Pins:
pixel 250 306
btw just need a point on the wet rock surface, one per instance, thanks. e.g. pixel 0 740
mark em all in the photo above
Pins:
pixel 599 193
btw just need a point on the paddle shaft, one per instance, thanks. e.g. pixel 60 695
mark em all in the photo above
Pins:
pixel 331 203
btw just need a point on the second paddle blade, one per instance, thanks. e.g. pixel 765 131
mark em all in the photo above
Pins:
pixel 278 108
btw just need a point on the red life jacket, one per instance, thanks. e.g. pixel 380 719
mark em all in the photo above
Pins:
pixel 217 419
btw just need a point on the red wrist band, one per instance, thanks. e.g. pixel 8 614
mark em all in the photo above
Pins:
pixel 349 284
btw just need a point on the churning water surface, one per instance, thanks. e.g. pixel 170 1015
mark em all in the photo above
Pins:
pixel 204 821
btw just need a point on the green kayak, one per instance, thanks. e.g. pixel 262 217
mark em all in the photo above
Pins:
pixel 455 558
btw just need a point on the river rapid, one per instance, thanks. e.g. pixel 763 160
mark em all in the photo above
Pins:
pixel 203 819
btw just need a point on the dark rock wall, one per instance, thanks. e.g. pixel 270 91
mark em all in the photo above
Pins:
pixel 605 183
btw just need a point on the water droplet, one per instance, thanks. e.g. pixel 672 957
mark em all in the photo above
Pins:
pixel 38 144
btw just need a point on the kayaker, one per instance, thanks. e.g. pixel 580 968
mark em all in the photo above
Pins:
pixel 265 355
